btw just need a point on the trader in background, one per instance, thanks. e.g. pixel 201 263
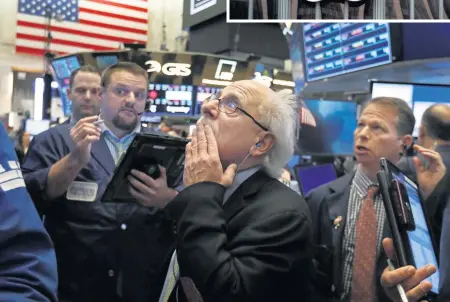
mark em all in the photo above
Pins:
pixel 84 92
pixel 105 251
pixel 27 263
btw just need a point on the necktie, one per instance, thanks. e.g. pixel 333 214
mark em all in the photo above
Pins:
pixel 174 272
pixel 363 280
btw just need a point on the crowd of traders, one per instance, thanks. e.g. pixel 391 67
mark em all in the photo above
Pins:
pixel 234 232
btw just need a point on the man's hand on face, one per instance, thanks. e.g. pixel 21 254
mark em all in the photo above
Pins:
pixel 151 192
pixel 428 176
pixel 410 278
pixel 83 134
pixel 202 160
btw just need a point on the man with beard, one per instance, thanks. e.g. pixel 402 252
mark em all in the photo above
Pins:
pixel 83 91
pixel 105 252
pixel 242 235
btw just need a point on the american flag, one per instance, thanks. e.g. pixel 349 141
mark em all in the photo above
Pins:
pixel 80 25
pixel 306 117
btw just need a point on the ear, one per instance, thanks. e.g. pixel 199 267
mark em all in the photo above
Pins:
pixel 407 142
pixel 265 142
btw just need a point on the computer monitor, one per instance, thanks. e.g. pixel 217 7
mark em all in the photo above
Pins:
pixel 311 177
pixel 170 99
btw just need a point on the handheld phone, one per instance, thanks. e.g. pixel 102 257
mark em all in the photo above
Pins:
pixel 409 225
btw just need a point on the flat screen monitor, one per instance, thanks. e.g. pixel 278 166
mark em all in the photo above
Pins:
pixel 332 49
pixel 311 177
pixel 63 68
pixel 203 92
pixel 418 96
pixel 105 61
pixel 169 99
pixel 327 127
pixel 35 127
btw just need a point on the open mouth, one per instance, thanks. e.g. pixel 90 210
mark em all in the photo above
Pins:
pixel 361 148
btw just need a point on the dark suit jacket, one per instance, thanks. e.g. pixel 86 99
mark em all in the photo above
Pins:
pixel 257 247
pixel 95 241
pixel 327 203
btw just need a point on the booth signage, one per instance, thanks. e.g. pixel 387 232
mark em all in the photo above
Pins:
pixel 225 70
pixel 169 69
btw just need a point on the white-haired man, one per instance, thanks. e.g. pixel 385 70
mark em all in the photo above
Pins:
pixel 242 235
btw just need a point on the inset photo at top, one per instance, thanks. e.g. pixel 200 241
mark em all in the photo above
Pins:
pixel 240 10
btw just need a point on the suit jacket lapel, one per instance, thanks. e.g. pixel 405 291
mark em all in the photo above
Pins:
pixel 101 153
pixel 237 200
pixel 337 204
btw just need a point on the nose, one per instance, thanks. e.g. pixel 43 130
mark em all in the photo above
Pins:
pixel 88 94
pixel 130 98
pixel 211 108
pixel 363 133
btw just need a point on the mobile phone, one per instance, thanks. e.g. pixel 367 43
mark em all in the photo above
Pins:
pixel 409 225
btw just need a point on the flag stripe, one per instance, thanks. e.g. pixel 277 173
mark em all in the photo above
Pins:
pixel 121 5
pixel 109 20
pixel 55 47
pixel 79 32
pixel 66 42
pixel 109 31
pixel 106 7
pixel 31 50
pixel 112 26
pixel 116 16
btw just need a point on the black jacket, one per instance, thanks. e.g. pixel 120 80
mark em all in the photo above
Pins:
pixel 257 247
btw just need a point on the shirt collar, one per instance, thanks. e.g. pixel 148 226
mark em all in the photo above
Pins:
pixel 239 179
pixel 362 181
pixel 106 130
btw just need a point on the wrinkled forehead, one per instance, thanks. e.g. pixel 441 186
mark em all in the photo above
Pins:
pixel 248 93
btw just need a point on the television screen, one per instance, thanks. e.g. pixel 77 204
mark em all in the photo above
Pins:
pixel 418 96
pixel 105 61
pixel 327 127
pixel 169 99
pixel 202 93
pixel 63 68
pixel 332 49
pixel 311 177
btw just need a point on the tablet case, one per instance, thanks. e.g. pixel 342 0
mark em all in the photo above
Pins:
pixel 145 153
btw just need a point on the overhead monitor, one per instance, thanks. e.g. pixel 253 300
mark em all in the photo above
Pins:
pixel 418 96
pixel 169 99
pixel 327 128
pixel 104 61
pixel 311 177
pixel 63 68
pixel 332 49
pixel 203 92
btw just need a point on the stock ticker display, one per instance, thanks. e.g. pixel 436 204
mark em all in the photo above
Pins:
pixel 169 99
pixel 332 49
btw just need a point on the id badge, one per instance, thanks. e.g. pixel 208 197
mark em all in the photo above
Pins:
pixel 82 191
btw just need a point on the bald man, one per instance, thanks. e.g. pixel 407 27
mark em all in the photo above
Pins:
pixel 434 133
pixel 242 235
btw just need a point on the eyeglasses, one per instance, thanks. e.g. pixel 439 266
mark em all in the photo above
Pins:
pixel 229 106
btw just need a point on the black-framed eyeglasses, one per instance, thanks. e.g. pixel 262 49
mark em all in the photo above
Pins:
pixel 229 106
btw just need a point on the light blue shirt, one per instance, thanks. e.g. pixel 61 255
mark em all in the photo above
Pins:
pixel 118 146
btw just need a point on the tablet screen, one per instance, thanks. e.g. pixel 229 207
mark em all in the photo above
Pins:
pixel 419 239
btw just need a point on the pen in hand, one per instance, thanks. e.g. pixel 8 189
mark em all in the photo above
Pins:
pixel 400 289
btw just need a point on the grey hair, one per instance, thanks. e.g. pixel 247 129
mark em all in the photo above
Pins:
pixel 280 115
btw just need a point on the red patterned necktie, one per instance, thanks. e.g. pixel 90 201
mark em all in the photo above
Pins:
pixel 363 280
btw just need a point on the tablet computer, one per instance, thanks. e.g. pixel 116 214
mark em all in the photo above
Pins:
pixel 409 224
pixel 146 153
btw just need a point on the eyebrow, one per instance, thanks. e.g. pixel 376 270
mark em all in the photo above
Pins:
pixel 129 87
